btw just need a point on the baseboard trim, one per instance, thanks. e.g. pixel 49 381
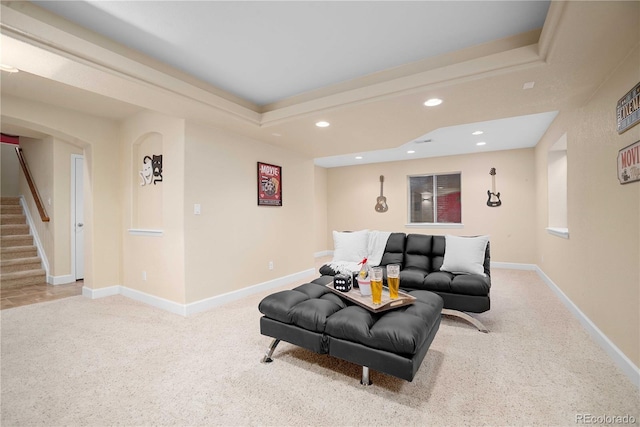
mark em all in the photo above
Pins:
pixel 322 254
pixel 513 266
pixel 36 237
pixel 198 306
pixel 619 358
pixel 61 280
pixel 154 301
pixel 208 303
pixel 101 292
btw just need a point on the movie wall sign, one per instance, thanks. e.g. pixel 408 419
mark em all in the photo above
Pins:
pixel 269 185
pixel 629 163
pixel 628 109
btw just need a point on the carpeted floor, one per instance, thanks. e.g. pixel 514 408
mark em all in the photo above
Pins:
pixel 114 361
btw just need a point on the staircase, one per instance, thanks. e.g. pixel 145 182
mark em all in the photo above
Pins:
pixel 20 264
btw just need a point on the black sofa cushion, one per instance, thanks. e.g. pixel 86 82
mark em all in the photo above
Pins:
pixel 401 331
pixel 395 249
pixel 418 252
pixel 307 306
pixel 412 278
pixel 438 247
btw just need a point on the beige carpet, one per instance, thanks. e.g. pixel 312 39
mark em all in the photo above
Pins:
pixel 114 361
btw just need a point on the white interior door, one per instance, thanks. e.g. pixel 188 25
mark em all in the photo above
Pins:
pixel 78 217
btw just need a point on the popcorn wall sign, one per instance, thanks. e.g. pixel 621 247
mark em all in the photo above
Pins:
pixel 269 185
pixel 629 163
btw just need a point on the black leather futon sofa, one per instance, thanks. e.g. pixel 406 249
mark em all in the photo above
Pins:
pixel 420 257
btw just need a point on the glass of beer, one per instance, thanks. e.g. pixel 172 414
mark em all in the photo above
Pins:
pixel 393 280
pixel 376 285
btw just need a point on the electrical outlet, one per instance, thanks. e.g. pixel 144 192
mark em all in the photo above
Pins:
pixel 270 265
pixel 144 275
pixel 196 209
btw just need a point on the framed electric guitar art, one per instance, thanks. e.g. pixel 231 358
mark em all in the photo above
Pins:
pixel 494 198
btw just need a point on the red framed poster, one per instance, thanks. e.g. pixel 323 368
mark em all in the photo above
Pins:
pixel 269 185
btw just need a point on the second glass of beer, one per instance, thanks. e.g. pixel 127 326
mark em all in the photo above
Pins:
pixel 376 285
pixel 393 280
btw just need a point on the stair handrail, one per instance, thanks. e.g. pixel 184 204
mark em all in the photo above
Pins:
pixel 32 186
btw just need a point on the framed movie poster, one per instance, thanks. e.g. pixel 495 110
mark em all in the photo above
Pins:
pixel 269 185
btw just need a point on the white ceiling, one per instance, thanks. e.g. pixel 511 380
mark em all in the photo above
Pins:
pixel 270 70
pixel 268 51
pixel 503 134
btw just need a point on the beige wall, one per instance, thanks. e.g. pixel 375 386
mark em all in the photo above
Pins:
pixel 320 210
pixel 62 206
pixel 598 267
pixel 229 245
pixel 352 193
pixel 160 257
pixel 10 171
pixel 38 154
pixel 49 161
pixel 98 138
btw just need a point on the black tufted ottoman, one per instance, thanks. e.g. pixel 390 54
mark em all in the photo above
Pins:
pixel 311 316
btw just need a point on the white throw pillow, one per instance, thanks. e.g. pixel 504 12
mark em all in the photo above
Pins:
pixel 350 246
pixel 464 254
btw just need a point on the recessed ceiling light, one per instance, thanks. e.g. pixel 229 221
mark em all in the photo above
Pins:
pixel 481 143
pixel 8 68
pixel 322 124
pixel 358 157
pixel 528 85
pixel 478 132
pixel 411 151
pixel 433 102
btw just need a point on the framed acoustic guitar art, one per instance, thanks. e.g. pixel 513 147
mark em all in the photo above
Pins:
pixel 381 201
pixel 494 198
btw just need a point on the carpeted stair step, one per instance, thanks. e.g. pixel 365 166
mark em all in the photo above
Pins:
pixel 14 230
pixel 16 252
pixel 10 209
pixel 6 219
pixel 5 201
pixel 8 241
pixel 22 278
pixel 20 264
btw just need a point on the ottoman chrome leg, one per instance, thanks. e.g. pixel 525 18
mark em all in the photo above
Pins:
pixel 267 357
pixel 365 376
pixel 464 316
